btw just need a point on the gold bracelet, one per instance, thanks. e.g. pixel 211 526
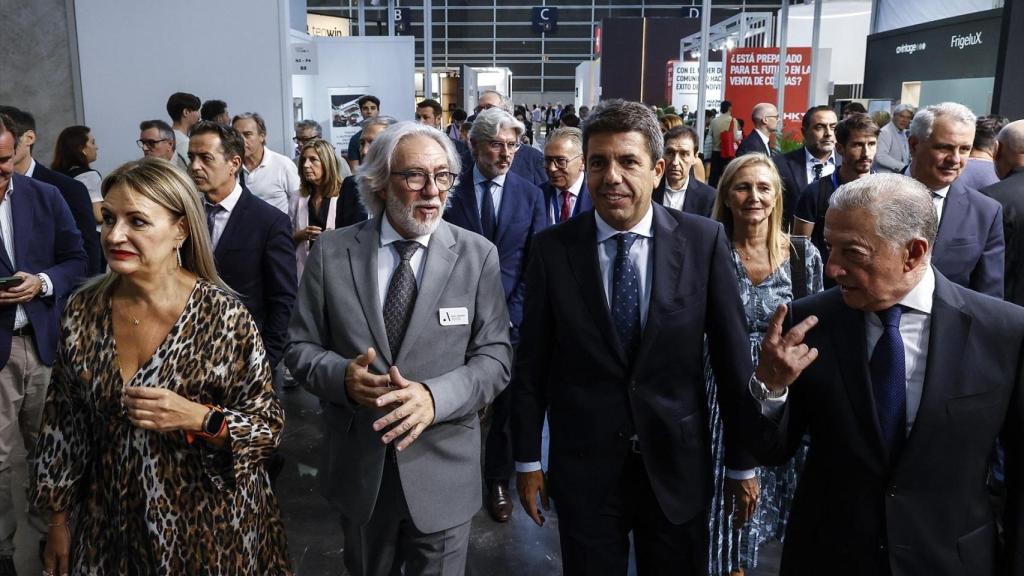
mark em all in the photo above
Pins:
pixel 57 525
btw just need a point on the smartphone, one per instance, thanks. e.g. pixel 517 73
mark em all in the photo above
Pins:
pixel 10 282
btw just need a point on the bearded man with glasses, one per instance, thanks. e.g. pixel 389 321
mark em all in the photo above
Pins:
pixel 507 210
pixel 401 330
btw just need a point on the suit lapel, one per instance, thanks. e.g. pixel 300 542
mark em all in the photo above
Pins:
pixel 798 166
pixel 952 219
pixel 690 199
pixel 468 205
pixel 436 272
pixel 583 201
pixel 848 334
pixel 363 262
pixel 18 211
pixel 21 212
pixel 506 210
pixel 583 261
pixel 235 221
pixel 667 258
pixel 658 197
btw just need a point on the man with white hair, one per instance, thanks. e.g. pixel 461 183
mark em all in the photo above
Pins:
pixel 969 246
pixel 893 150
pixel 902 380
pixel 401 330
pixel 761 139
pixel 507 210
pixel 1009 192
pixel 529 162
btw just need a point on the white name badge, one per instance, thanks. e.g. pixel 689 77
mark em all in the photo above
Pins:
pixel 453 316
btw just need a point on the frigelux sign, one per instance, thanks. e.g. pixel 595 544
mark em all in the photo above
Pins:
pixel 961 42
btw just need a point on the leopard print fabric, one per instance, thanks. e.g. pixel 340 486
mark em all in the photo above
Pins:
pixel 148 503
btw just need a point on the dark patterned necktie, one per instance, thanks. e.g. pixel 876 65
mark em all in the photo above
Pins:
pixel 818 167
pixel 626 296
pixel 211 213
pixel 401 296
pixel 487 222
pixel 889 379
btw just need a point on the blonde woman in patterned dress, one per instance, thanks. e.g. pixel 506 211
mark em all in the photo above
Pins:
pixel 161 412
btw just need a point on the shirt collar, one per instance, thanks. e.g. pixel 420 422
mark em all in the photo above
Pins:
pixel 478 178
pixel 577 186
pixel 388 234
pixel 941 192
pixel 644 227
pixel 764 138
pixel 920 296
pixel 31 169
pixel 228 204
pixel 671 190
pixel 811 160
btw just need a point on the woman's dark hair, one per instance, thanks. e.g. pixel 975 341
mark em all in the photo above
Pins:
pixel 68 152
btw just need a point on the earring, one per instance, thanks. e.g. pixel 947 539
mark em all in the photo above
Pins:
pixel 177 252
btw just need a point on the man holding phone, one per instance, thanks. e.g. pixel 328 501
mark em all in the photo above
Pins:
pixel 41 262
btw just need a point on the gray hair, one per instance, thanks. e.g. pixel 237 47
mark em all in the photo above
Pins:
pixel 503 102
pixel 165 130
pixel 574 135
pixel 491 121
pixel 378 120
pixel 902 207
pixel 904 108
pixel 760 111
pixel 261 126
pixel 1011 137
pixel 309 125
pixel 921 127
pixel 617 116
pixel 374 171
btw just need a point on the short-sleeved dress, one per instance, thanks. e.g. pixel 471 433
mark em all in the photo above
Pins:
pixel 729 551
pixel 148 503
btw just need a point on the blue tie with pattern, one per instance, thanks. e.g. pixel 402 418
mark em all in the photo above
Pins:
pixel 626 296
pixel 889 380
pixel 487 223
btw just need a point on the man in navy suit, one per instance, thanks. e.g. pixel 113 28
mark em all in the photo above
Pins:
pixel 902 380
pixel 565 192
pixel 612 351
pixel 42 247
pixel 969 247
pixel 86 214
pixel 815 159
pixel 765 118
pixel 529 162
pixel 252 240
pixel 507 210
pixel 678 188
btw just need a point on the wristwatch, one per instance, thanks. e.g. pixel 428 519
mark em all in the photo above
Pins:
pixel 45 286
pixel 762 392
pixel 213 423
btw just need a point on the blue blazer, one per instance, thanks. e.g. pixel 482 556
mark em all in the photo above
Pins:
pixel 554 209
pixel 256 258
pixel 45 240
pixel 521 215
pixel 76 195
pixel 528 164
pixel 969 247
pixel 699 199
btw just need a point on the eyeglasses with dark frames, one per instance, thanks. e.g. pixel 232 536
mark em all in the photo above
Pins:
pixel 150 143
pixel 560 162
pixel 417 180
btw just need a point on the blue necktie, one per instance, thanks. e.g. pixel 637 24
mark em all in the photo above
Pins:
pixel 487 223
pixel 889 380
pixel 626 296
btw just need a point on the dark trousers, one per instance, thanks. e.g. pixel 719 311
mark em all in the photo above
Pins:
pixel 498 459
pixel 599 544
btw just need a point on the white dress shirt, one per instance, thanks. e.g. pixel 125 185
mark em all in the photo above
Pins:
pixel 829 166
pixel 639 254
pixel 765 139
pixel 388 258
pixel 275 180
pixel 676 198
pixel 938 200
pixel 497 188
pixel 220 219
pixel 915 324
pixel 574 197
pixel 7 232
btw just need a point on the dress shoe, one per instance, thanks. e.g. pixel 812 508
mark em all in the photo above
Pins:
pixel 499 503
pixel 7 566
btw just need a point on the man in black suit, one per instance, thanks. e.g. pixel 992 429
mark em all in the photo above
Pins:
pixel 765 118
pixel 815 159
pixel 1009 192
pixel 565 193
pixel 969 246
pixel 903 381
pixel 678 188
pixel 86 214
pixel 252 240
pixel 618 302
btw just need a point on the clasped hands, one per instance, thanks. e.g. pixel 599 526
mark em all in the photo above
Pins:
pixel 410 404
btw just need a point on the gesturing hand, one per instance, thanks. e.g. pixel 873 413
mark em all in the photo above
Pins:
pixel 530 485
pixel 162 410
pixel 741 498
pixel 362 386
pixel 784 357
pixel 414 413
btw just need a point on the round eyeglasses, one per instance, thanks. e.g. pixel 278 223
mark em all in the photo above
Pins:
pixel 416 180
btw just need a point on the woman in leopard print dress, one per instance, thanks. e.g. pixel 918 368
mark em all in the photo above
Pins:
pixel 149 352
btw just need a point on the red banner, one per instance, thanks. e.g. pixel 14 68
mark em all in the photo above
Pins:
pixel 750 75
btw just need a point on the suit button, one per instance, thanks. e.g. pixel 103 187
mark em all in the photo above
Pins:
pixel 892 491
pixel 632 385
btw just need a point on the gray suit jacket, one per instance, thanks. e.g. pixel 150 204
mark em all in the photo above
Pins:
pixel 890 155
pixel 338 316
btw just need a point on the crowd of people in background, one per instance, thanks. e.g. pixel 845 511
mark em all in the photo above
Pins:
pixel 727 343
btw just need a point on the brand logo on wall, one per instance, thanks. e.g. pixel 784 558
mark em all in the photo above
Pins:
pixel 961 42
pixel 910 48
